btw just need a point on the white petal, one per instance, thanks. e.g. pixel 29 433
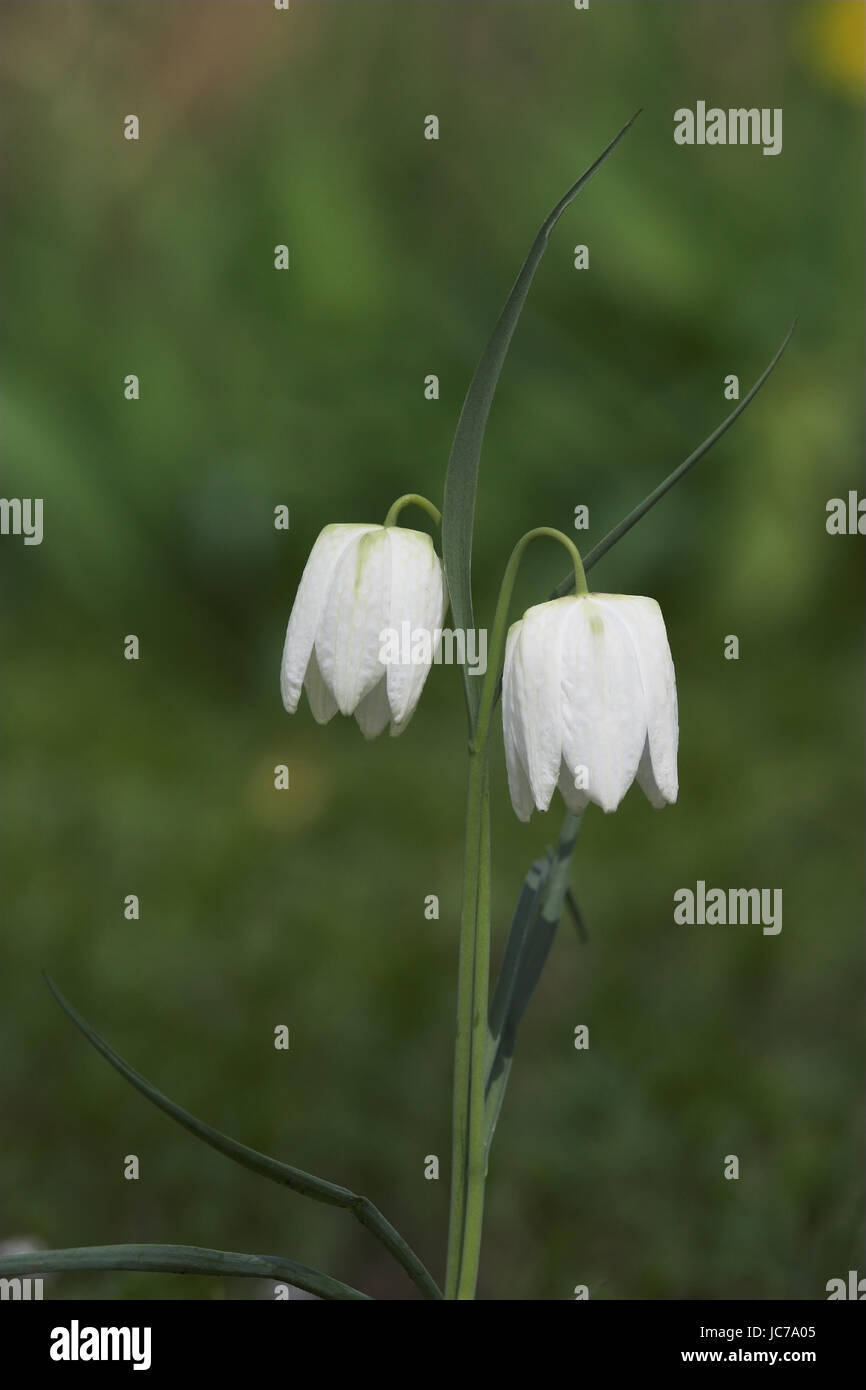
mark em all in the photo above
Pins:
pixel 417 598
pixel 322 702
pixel 647 782
pixel 575 801
pixel 348 635
pixel 309 605
pixel 373 712
pixel 537 660
pixel 512 733
pixel 604 720
pixel 657 773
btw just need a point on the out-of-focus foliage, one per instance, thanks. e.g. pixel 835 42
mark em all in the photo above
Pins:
pixel 306 388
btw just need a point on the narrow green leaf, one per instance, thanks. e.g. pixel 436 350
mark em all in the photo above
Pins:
pixel 176 1259
pixel 525 912
pixel 530 937
pixel 566 585
pixel 461 481
pixel 576 915
pixel 502 1031
pixel 283 1173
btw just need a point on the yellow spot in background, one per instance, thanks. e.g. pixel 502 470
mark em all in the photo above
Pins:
pixel 834 44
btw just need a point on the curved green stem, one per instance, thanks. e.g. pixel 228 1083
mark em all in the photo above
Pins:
pixel 412 499
pixel 176 1259
pixel 496 650
pixel 307 1184
pixel 468 1140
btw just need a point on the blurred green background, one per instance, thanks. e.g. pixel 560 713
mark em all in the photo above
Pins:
pixel 306 388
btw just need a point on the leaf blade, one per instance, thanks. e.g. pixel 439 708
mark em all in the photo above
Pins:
pixel 307 1184
pixel 461 479
pixel 531 935
pixel 607 542
pixel 177 1259
pixel 524 914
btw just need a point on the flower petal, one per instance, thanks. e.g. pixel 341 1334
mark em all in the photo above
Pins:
pixel 513 733
pixel 657 773
pixel 374 712
pixel 417 597
pixel 348 635
pixel 575 799
pixel 309 605
pixel 604 720
pixel 538 657
pixel 321 701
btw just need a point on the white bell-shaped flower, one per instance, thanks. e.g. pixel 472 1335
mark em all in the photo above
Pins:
pixel 360 582
pixel 589 702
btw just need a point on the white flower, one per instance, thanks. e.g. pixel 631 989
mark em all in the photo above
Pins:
pixel 589 702
pixel 359 581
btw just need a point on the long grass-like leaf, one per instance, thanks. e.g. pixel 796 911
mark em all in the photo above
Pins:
pixel 607 542
pixel 533 928
pixel 461 481
pixel 176 1259
pixel 283 1173
pixel 525 912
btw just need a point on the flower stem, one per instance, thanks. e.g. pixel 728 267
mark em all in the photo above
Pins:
pixel 476 869
pixel 476 1168
pixel 473 985
pixel 409 499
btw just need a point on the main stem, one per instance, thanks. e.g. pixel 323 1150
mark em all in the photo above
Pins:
pixel 473 982
pixel 476 868
pixel 476 1166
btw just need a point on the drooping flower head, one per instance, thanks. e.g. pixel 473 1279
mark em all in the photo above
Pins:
pixel 589 703
pixel 360 581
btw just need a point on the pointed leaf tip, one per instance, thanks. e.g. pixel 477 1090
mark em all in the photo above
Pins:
pixel 461 479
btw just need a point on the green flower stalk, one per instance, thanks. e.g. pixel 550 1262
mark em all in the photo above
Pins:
pixel 469 1160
